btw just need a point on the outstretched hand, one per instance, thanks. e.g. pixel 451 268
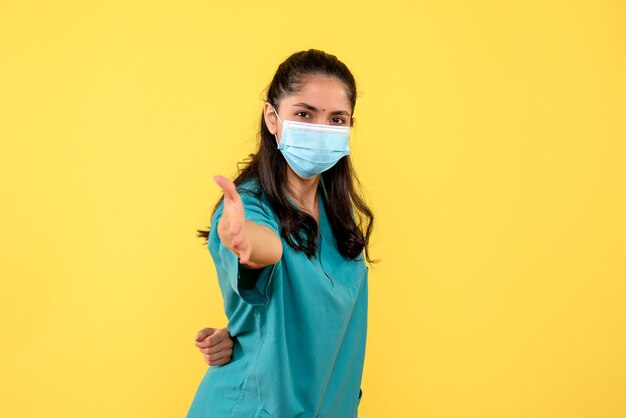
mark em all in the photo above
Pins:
pixel 231 225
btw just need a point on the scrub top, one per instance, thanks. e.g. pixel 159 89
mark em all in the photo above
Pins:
pixel 299 330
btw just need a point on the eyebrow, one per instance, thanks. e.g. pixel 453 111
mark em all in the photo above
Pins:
pixel 313 109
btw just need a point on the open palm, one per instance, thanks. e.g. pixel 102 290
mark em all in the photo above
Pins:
pixel 231 225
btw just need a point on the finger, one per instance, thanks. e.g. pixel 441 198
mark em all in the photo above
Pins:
pixel 213 352
pixel 202 344
pixel 216 362
pixel 203 333
pixel 236 238
pixel 240 244
pixel 229 189
pixel 223 345
pixel 219 363
pixel 235 228
pixel 217 357
pixel 227 186
pixel 209 340
pixel 214 340
pixel 219 336
pixel 244 255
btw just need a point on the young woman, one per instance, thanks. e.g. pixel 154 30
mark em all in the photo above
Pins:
pixel 287 239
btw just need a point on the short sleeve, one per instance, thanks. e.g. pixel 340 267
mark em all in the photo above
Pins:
pixel 251 285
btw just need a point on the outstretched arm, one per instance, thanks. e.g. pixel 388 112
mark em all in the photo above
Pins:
pixel 256 245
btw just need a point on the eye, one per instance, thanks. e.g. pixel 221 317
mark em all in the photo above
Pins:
pixel 338 121
pixel 303 114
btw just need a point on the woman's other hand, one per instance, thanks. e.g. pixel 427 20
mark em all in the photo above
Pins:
pixel 215 345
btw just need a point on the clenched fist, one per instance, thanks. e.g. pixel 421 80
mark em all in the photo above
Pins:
pixel 215 345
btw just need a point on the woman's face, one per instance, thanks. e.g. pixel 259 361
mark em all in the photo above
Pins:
pixel 321 100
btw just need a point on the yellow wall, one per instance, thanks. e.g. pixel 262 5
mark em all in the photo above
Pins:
pixel 490 139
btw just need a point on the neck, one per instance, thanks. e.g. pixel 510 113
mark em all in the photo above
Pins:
pixel 303 191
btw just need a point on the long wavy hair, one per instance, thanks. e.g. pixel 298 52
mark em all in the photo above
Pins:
pixel 349 216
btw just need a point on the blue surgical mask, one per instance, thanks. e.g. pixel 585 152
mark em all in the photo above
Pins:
pixel 311 149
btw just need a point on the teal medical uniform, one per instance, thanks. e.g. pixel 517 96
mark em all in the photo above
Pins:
pixel 299 329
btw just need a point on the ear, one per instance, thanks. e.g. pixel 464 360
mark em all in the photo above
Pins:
pixel 270 118
pixel 352 122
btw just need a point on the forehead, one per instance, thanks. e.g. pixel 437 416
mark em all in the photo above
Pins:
pixel 322 91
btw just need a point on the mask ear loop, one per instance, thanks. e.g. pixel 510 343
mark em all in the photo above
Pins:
pixel 276 134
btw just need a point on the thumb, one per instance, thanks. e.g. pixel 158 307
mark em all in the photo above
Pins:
pixel 229 189
pixel 205 332
pixel 227 186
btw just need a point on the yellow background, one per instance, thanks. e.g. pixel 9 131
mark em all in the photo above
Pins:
pixel 490 138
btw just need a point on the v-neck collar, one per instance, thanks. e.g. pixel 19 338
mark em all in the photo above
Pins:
pixel 323 222
pixel 321 195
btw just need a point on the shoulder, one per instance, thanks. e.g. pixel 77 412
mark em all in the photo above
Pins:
pixel 252 194
pixel 251 187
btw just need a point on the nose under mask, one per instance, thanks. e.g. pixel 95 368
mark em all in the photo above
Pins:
pixel 309 148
